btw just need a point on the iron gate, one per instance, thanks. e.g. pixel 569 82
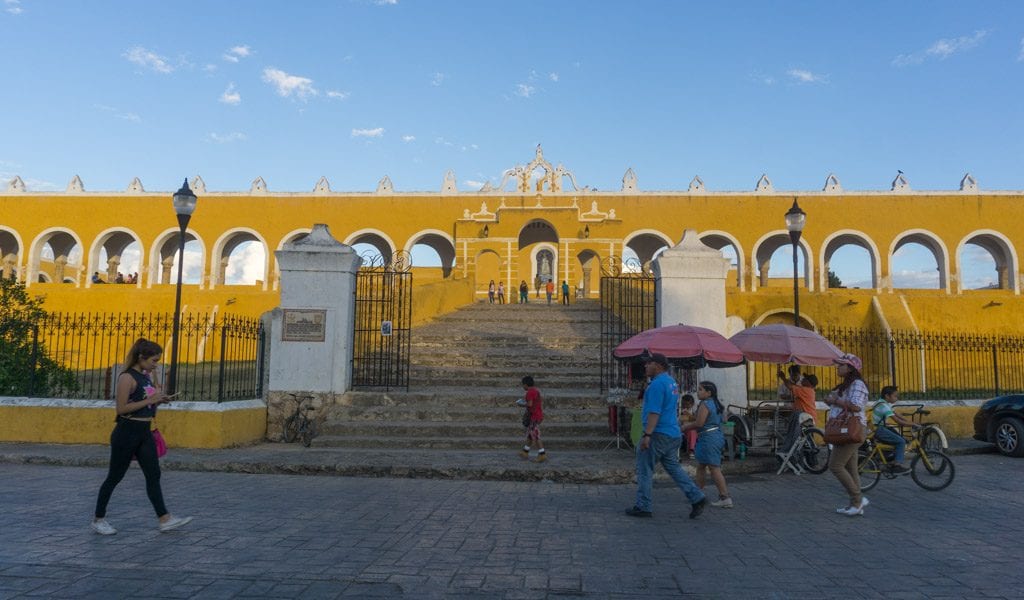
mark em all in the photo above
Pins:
pixel 628 306
pixel 383 319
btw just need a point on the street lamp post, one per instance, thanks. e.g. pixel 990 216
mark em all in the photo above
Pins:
pixel 795 220
pixel 184 204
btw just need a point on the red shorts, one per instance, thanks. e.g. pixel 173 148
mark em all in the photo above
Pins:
pixel 533 430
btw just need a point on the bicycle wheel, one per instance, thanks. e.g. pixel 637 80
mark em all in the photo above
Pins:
pixel 814 452
pixel 290 431
pixel 868 469
pixel 931 441
pixel 932 470
pixel 307 432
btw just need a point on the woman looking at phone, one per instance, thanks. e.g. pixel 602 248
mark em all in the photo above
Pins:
pixel 137 396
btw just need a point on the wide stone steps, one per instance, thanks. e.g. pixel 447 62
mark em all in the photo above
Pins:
pixel 512 443
pixel 522 364
pixel 470 398
pixel 446 413
pixel 450 429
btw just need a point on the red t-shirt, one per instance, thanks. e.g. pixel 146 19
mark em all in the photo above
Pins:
pixel 533 401
pixel 803 400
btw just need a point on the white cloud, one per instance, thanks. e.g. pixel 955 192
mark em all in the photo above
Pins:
pixel 942 49
pixel 387 2
pixel 553 76
pixel 472 183
pixel 209 68
pixel 525 91
pixel 246 264
pixel 231 96
pixel 437 79
pixel 443 142
pixel 227 138
pixel 337 95
pixel 1020 56
pixel 236 53
pixel 369 133
pixel 408 138
pixel 134 118
pixel 805 76
pixel 288 85
pixel 13 7
pixel 148 59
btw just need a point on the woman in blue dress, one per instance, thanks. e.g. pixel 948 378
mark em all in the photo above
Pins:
pixel 710 441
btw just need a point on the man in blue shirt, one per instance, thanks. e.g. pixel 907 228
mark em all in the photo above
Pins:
pixel 661 440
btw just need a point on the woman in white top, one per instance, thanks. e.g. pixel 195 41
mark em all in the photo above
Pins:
pixel 850 395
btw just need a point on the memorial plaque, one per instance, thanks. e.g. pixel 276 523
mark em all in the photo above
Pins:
pixel 304 325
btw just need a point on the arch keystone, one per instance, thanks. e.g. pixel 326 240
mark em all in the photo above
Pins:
pixel 629 181
pixel 448 185
pixel 969 184
pixel 198 185
pixel 696 185
pixel 75 185
pixel 258 186
pixel 900 184
pixel 832 185
pixel 764 185
pixel 384 186
pixel 322 186
pixel 16 185
pixel 135 187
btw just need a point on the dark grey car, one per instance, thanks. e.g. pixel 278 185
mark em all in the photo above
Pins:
pixel 1001 422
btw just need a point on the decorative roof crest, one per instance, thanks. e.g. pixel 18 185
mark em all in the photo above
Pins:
pixel 384 186
pixel 198 185
pixel 16 185
pixel 629 181
pixel 969 184
pixel 696 185
pixel 832 185
pixel 448 185
pixel 258 186
pixel 322 186
pixel 75 185
pixel 551 181
pixel 764 185
pixel 900 184
pixel 135 187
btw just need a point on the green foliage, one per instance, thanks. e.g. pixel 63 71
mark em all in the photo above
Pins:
pixel 833 280
pixel 25 368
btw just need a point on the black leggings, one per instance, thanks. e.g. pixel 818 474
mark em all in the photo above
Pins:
pixel 132 438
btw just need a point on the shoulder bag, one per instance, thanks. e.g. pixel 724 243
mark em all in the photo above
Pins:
pixel 844 428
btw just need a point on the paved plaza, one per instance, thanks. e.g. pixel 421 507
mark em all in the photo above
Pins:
pixel 291 536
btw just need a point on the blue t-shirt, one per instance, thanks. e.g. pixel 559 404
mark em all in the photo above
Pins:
pixel 662 398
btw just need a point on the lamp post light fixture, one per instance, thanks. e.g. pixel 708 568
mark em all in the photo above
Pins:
pixel 586 232
pixel 486 232
pixel 795 220
pixel 184 205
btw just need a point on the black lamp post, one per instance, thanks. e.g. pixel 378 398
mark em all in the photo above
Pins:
pixel 184 205
pixel 795 220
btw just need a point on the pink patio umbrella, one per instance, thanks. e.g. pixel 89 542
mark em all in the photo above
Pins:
pixel 784 344
pixel 684 345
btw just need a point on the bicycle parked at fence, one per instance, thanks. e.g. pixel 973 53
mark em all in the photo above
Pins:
pixel 299 426
pixel 808 453
pixel 931 468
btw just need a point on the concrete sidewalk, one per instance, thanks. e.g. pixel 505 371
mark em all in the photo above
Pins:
pixel 612 466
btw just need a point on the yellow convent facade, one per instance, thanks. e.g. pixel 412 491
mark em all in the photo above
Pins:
pixel 537 222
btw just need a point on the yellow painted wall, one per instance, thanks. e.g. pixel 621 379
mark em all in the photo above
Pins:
pixel 90 422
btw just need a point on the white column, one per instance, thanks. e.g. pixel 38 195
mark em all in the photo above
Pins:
pixel 691 290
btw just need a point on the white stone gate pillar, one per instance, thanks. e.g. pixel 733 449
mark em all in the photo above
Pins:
pixel 690 284
pixel 311 332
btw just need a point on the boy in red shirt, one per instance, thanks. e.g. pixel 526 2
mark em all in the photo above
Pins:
pixel 532 419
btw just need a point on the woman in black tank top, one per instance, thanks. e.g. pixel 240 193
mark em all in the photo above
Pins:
pixel 136 400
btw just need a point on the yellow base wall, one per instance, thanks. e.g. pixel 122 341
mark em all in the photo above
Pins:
pixel 957 422
pixel 90 422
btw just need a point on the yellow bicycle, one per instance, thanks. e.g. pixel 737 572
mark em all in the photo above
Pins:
pixel 931 468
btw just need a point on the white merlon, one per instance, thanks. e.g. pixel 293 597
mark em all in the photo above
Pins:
pixel 832 185
pixel 900 184
pixel 258 186
pixel 16 185
pixel 75 185
pixel 135 187
pixel 764 185
pixel 629 181
pixel 448 186
pixel 969 184
pixel 384 186
pixel 322 187
pixel 198 185
pixel 696 185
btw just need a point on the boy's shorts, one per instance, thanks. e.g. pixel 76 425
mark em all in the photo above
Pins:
pixel 533 430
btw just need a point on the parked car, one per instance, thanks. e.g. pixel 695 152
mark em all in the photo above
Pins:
pixel 1001 422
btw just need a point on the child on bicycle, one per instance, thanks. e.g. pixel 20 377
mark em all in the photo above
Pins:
pixel 880 413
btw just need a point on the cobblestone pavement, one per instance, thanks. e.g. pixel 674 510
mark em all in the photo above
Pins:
pixel 289 536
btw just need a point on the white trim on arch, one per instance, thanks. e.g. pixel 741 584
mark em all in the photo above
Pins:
pixel 943 260
pixel 156 261
pixel 787 311
pixel 20 254
pixel 639 232
pixel 416 237
pixel 808 259
pixel 350 240
pixel 872 248
pixel 97 245
pixel 218 248
pixel 1013 266
pixel 35 252
pixel 286 239
pixel 741 263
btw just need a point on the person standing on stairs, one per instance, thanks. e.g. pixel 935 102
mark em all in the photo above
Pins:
pixel 532 419
pixel 501 292
pixel 565 293
pixel 524 292
pixel 490 292
pixel 549 289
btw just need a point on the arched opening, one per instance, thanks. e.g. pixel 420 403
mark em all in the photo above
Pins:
pixel 57 253
pixel 986 261
pixel 488 269
pixel 163 265
pixel 730 249
pixel 375 248
pixel 773 257
pixel 115 257
pixel 535 232
pixel 644 247
pixel 590 273
pixel 432 249
pixel 784 316
pixel 849 260
pixel 240 258
pixel 289 238
pixel 10 254
pixel 918 261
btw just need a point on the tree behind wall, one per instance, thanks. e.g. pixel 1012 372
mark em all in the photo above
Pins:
pixel 25 369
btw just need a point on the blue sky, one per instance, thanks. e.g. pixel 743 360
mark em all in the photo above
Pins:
pixel 356 89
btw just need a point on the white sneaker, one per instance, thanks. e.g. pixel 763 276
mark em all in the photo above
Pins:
pixel 864 502
pixel 850 511
pixel 103 528
pixel 723 503
pixel 174 523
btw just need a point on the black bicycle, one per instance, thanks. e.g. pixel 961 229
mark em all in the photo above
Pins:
pixel 299 426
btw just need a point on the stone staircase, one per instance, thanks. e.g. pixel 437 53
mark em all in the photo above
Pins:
pixel 465 371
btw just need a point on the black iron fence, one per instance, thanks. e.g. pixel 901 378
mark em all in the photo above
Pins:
pixel 382 335
pixel 923 365
pixel 628 306
pixel 220 357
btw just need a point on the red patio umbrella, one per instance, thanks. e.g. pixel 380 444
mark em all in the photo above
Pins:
pixel 786 343
pixel 685 345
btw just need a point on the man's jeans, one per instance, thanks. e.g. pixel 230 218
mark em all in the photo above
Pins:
pixel 888 436
pixel 663 449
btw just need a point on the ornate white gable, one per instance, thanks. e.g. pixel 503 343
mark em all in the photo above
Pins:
pixel 551 181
